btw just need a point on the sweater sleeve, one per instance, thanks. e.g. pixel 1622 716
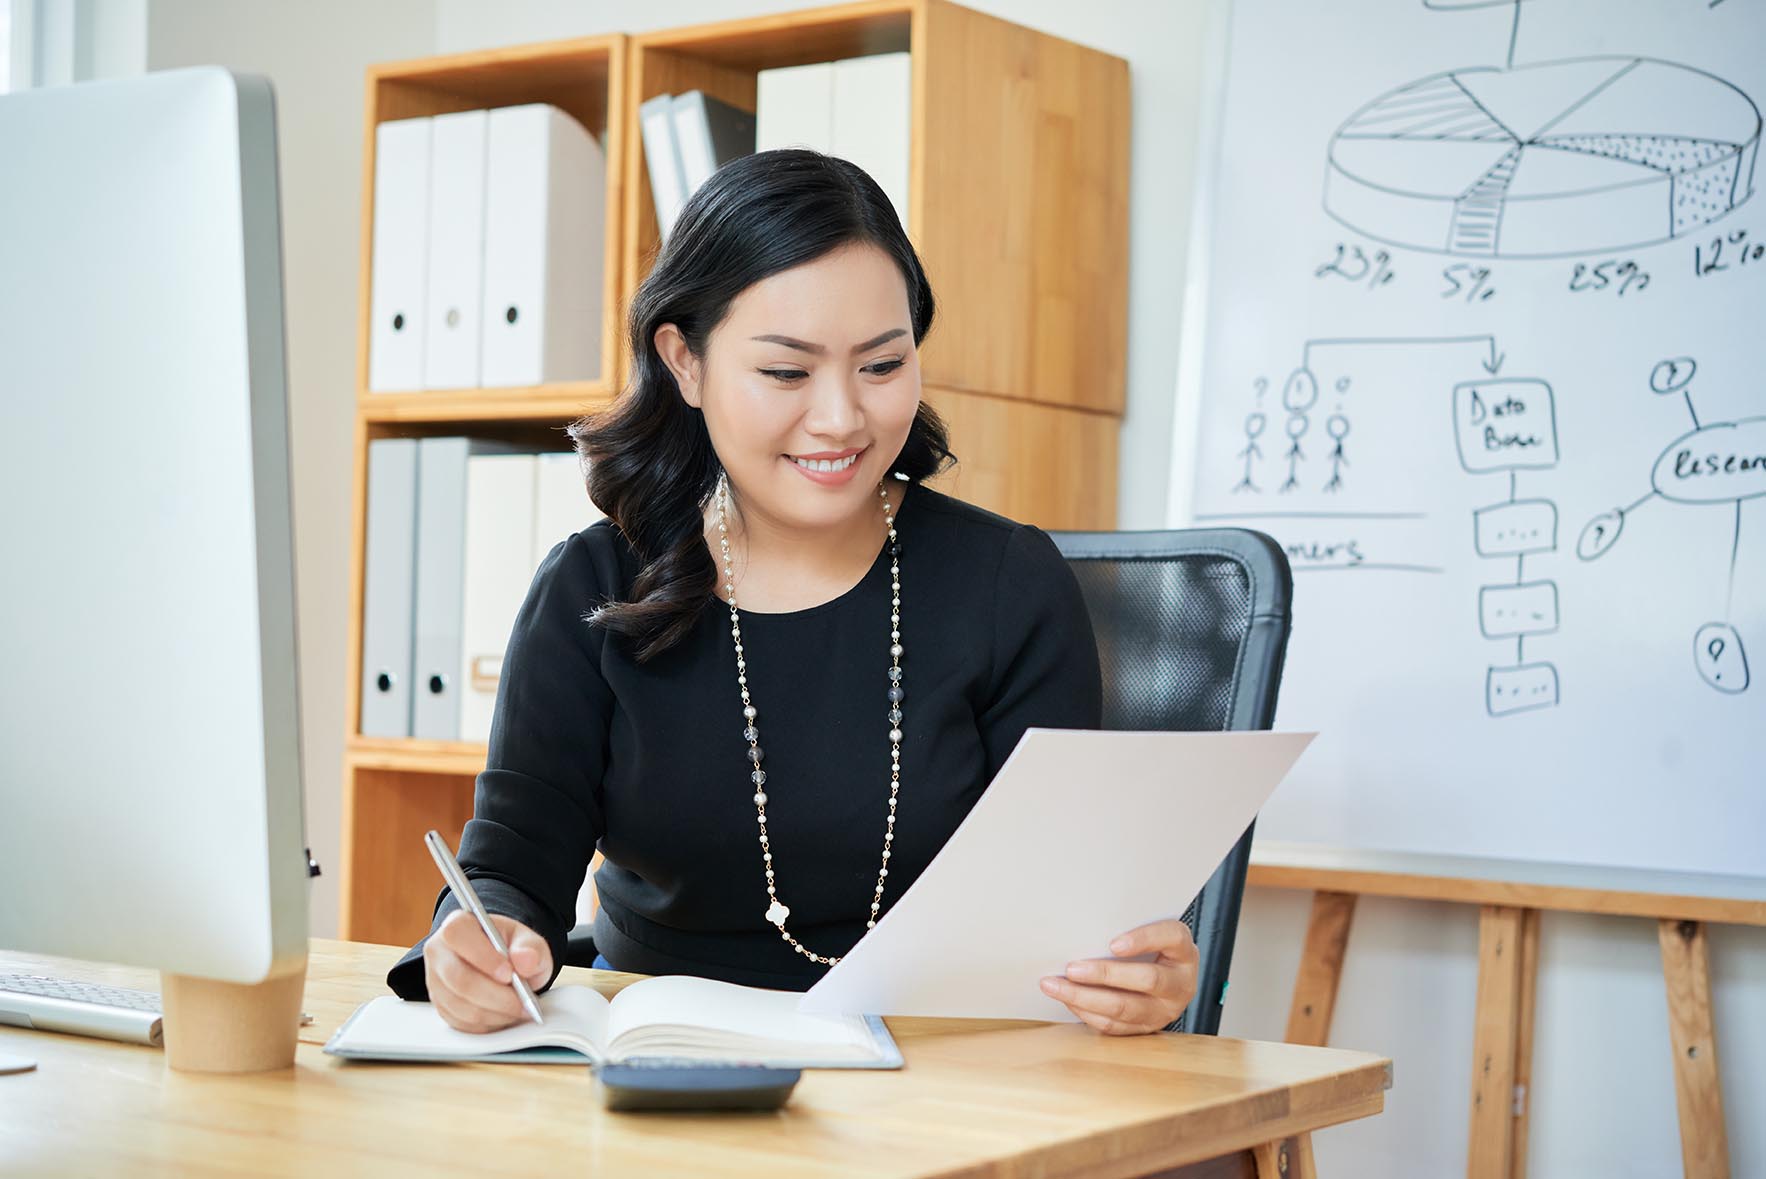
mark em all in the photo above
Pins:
pixel 1045 658
pixel 537 810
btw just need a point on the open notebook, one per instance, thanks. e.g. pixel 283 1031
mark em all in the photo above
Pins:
pixel 678 1017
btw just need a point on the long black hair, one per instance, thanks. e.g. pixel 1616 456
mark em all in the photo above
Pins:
pixel 650 461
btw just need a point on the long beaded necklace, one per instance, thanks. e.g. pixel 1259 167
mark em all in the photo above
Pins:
pixel 777 911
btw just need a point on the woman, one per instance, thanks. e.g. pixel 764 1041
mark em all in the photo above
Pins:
pixel 774 681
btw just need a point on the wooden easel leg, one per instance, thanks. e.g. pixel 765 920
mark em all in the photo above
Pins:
pixel 1303 1154
pixel 1290 1158
pixel 1524 1040
pixel 1497 1036
pixel 1321 968
pixel 1704 1140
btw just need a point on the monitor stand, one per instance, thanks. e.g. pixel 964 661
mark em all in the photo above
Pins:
pixel 222 1027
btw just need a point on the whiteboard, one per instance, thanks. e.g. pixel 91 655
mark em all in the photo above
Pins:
pixel 1481 321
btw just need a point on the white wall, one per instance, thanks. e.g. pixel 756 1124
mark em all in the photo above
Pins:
pixel 315 54
pixel 55 42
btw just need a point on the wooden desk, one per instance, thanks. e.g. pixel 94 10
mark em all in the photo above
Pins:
pixel 977 1098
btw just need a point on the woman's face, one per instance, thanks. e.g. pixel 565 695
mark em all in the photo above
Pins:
pixel 809 387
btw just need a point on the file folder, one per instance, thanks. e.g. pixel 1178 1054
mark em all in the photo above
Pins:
pixel 398 274
pixel 708 135
pixel 562 507
pixel 441 582
pixel 873 99
pixel 794 107
pixel 667 186
pixel 455 289
pixel 498 568
pixel 388 588
pixel 545 200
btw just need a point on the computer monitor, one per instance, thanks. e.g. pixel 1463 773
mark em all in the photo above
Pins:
pixel 150 784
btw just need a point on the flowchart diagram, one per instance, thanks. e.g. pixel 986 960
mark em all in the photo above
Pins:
pixel 1714 464
pixel 1502 425
pixel 1505 426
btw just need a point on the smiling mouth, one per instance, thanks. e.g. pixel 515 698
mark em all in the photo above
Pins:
pixel 826 466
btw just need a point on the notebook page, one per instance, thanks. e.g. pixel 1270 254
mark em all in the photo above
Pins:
pixel 576 1017
pixel 751 1012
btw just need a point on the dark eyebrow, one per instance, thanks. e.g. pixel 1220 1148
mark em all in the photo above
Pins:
pixel 818 350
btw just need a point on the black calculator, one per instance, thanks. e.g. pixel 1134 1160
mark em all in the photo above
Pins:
pixel 661 1084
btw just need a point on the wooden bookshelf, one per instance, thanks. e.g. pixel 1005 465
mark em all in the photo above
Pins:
pixel 395 790
pixel 559 401
pixel 1018 193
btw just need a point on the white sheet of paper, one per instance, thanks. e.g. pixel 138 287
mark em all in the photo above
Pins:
pixel 1081 836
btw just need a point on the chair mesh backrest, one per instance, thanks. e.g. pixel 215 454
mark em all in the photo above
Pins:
pixel 1191 628
pixel 1170 630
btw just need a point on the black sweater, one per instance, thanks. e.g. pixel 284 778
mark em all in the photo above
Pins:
pixel 589 748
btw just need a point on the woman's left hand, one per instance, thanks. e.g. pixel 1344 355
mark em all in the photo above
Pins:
pixel 1131 998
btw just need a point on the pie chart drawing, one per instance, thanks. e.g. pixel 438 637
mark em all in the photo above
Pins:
pixel 1558 159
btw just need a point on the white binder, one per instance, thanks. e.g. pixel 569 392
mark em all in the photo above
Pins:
pixel 873 98
pixel 498 569
pixel 562 507
pixel 667 187
pixel 399 258
pixel 794 107
pixel 453 306
pixel 709 133
pixel 389 572
pixel 441 580
pixel 545 196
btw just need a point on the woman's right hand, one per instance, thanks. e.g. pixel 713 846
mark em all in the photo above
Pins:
pixel 469 981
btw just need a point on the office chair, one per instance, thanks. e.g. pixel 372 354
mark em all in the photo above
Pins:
pixel 1192 626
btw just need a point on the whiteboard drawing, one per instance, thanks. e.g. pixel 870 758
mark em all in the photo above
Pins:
pixel 1300 395
pixel 1510 425
pixel 1550 160
pixel 1337 426
pixel 1254 426
pixel 1715 463
pixel 1501 425
pixel 1466 649
pixel 1554 159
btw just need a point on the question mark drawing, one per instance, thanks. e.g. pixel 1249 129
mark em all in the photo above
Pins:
pixel 1600 534
pixel 1671 376
pixel 1721 660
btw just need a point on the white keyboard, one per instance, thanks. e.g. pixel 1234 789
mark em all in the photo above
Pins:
pixel 81 1008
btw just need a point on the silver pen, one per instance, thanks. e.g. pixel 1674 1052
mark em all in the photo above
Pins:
pixel 464 893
